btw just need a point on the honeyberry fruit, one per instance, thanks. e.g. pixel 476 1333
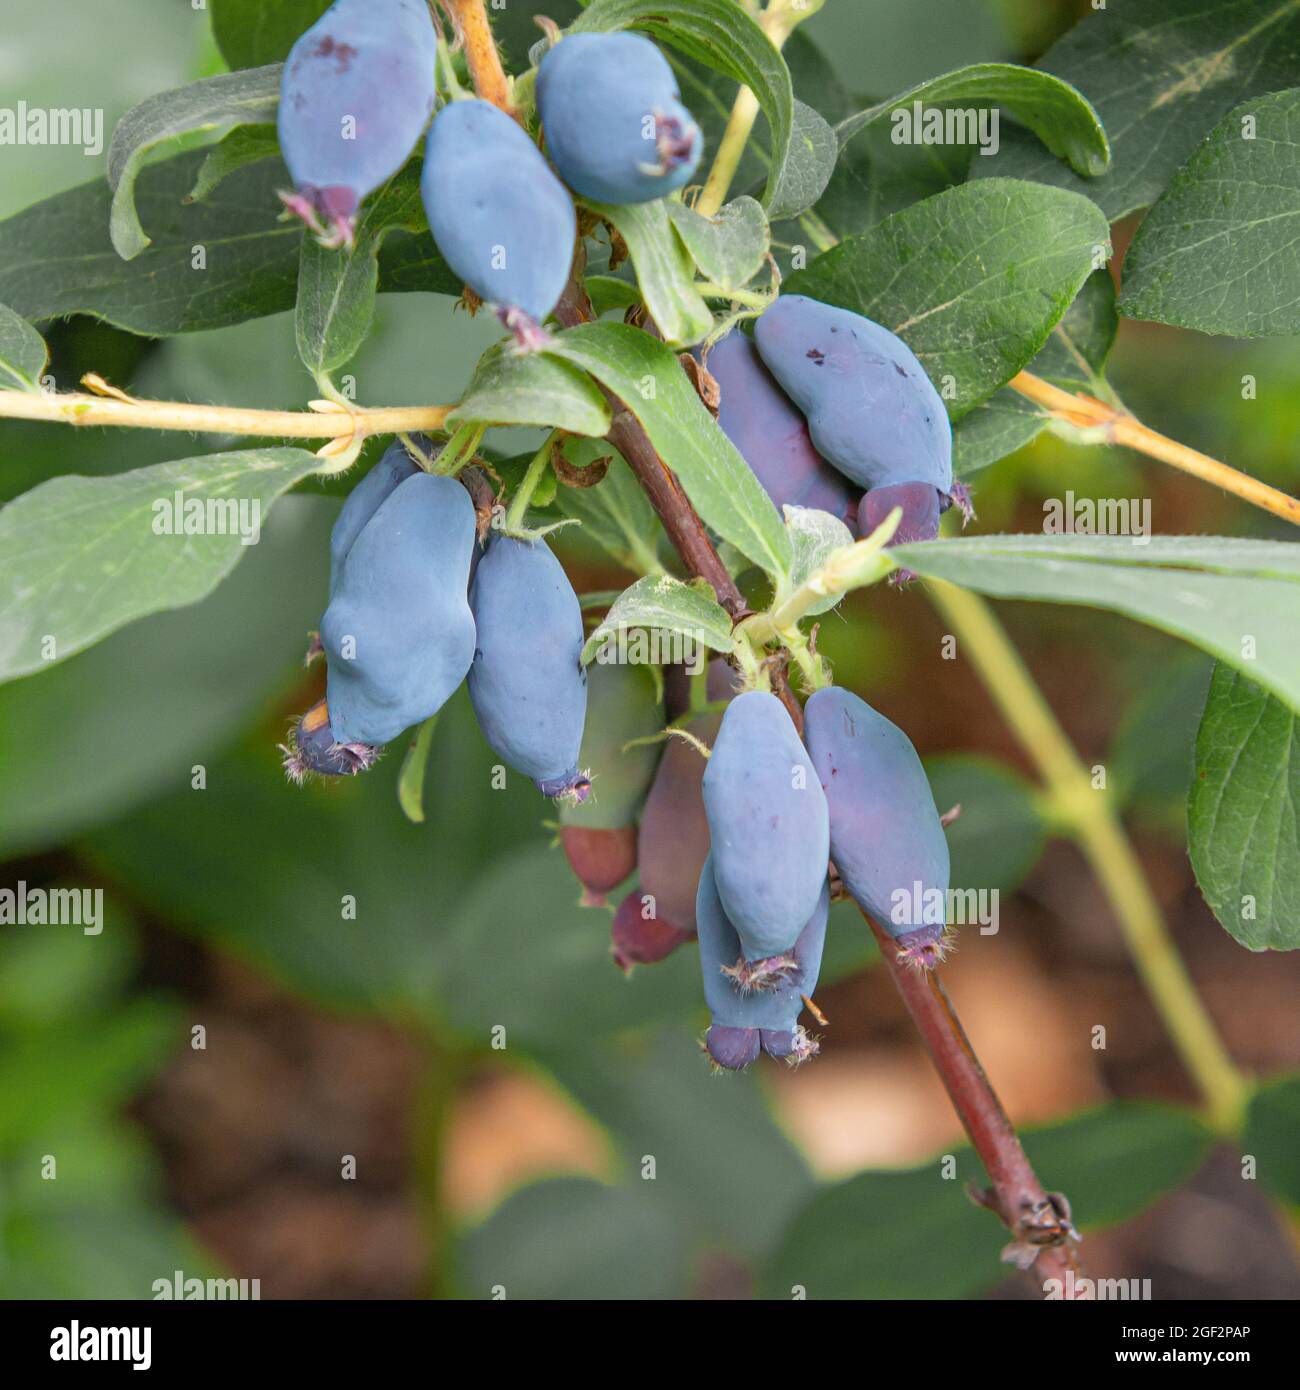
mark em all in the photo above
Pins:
pixel 527 683
pixel 312 748
pixel 398 633
pixel 886 837
pixel 768 827
pixel 394 468
pixel 599 835
pixel 357 90
pixel 771 434
pixel 502 220
pixel 614 121
pixel 746 1020
pixel 639 937
pixel 871 409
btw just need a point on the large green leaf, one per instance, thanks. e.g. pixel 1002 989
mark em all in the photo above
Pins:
pixel 1243 811
pixel 1074 357
pixel 648 379
pixel 213 263
pixel 251 97
pixel 730 248
pixel 510 388
pixel 129 719
pixel 1056 112
pixel 85 556
pixel 722 36
pixel 972 279
pixel 250 32
pixel 664 271
pixel 1221 250
pixel 914 1233
pixel 616 513
pixel 1160 73
pixel 1272 1122
pixel 1214 591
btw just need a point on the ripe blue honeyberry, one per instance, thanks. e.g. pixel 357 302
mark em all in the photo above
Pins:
pixel 505 224
pixel 886 837
pixel 871 409
pixel 770 433
pixel 745 1020
pixel 599 835
pixel 398 633
pixel 527 683
pixel 394 468
pixel 615 125
pixel 357 89
pixel 769 828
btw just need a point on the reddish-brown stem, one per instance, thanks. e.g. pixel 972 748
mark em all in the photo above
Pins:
pixel 1016 1197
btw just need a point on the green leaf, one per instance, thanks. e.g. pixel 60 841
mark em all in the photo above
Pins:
pixel 616 513
pixel 1056 112
pixel 410 781
pixel 722 36
pixel 250 97
pixel 123 723
pixel 648 379
pixel 729 249
pixel 1243 811
pixel 656 1097
pixel 512 388
pixel 1074 358
pixel 1160 74
pixel 999 835
pixel 250 32
pixel 1272 1121
pixel 972 279
pixel 23 353
pixel 245 145
pixel 915 1234
pixel 56 258
pixel 572 1238
pixel 83 556
pixel 664 272
pixel 608 293
pixel 814 536
pixel 1212 591
pixel 1220 251
pixel 807 170
pixel 667 605
pixel 337 288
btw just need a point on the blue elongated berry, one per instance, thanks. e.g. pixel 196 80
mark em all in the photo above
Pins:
pixel 357 90
pixel 502 220
pixel 746 1020
pixel 614 121
pixel 771 434
pixel 312 748
pixel 527 683
pixel 398 633
pixel 769 828
pixel 394 468
pixel 886 837
pixel 872 411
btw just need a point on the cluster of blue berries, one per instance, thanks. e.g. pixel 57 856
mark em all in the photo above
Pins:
pixel 830 410
pixel 360 85
pixel 824 404
pixel 419 601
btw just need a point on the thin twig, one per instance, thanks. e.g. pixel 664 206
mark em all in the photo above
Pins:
pixel 1116 426
pixel 474 30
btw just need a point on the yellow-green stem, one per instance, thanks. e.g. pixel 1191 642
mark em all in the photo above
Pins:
pixel 528 485
pixel 1091 821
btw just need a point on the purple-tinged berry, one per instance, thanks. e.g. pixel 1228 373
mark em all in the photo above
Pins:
pixel 313 749
pixel 640 939
pixel 357 90
pixel 615 125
